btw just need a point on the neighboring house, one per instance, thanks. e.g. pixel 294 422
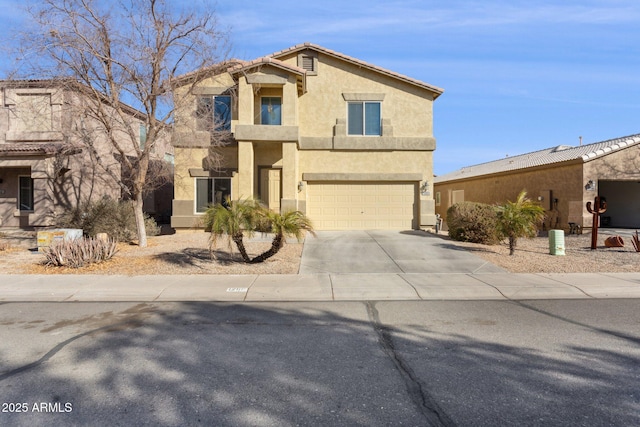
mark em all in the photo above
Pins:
pixel 49 151
pixel 562 178
pixel 346 142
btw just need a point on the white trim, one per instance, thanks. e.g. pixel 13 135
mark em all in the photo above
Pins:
pixel 363 119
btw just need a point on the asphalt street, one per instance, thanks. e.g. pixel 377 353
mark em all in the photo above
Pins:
pixel 373 363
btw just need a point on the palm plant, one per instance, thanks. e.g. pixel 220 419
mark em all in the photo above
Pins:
pixel 519 219
pixel 291 223
pixel 235 220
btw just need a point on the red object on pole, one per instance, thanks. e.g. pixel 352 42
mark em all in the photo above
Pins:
pixel 599 207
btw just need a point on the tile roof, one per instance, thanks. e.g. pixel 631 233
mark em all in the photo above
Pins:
pixel 236 65
pixel 36 149
pixel 266 60
pixel 548 156
pixel 436 90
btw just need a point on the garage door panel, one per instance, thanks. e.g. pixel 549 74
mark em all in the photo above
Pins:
pixel 364 205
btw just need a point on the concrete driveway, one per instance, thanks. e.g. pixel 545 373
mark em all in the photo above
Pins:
pixel 387 252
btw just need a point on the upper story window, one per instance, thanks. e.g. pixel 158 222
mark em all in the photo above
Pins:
pixel 364 118
pixel 143 136
pixel 271 110
pixel 213 113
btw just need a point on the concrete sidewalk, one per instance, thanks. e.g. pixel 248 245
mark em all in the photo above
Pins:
pixel 318 287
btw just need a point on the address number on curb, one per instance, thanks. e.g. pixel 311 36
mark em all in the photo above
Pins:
pixel 237 289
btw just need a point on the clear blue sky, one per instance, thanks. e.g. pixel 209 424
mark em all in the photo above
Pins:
pixel 518 75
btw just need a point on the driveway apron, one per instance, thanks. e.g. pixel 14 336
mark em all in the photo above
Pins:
pixel 382 251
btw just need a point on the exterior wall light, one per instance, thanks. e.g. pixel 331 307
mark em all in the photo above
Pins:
pixel 300 185
pixel 591 186
pixel 424 188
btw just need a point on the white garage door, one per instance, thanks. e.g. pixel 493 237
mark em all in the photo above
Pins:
pixel 362 205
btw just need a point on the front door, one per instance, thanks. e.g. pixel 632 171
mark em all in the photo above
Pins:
pixel 270 183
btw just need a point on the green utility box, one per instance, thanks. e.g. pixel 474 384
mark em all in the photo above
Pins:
pixel 556 242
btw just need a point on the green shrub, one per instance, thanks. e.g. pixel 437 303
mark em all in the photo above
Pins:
pixel 116 218
pixel 79 252
pixel 473 222
pixel 519 219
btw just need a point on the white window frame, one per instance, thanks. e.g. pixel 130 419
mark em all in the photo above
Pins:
pixel 364 118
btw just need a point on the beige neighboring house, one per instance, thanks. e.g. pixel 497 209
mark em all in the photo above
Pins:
pixel 46 165
pixel 344 141
pixel 562 178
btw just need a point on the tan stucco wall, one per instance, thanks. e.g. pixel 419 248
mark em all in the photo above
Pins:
pixel 406 146
pixel 312 161
pixel 408 108
pixel 60 182
pixel 565 183
pixel 185 100
pixel 623 165
pixel 620 165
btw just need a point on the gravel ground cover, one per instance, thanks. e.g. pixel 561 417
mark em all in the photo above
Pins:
pixel 182 253
pixel 532 255
pixel 188 253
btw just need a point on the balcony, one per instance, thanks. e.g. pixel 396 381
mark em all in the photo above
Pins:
pixel 266 133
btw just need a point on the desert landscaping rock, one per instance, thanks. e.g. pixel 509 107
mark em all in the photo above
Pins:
pixel 183 253
pixel 188 253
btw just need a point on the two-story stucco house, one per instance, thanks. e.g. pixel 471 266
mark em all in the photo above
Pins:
pixel 49 150
pixel 344 141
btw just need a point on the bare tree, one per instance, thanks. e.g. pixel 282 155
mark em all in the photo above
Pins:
pixel 121 54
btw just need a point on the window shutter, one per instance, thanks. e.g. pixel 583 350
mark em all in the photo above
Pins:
pixel 307 63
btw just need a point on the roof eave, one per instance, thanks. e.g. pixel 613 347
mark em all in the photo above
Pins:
pixel 436 91
pixel 510 171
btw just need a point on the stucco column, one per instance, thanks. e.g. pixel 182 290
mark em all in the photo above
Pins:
pixel 245 169
pixel 290 103
pixel 289 176
pixel 43 205
pixel 427 212
pixel 427 202
pixel 245 102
